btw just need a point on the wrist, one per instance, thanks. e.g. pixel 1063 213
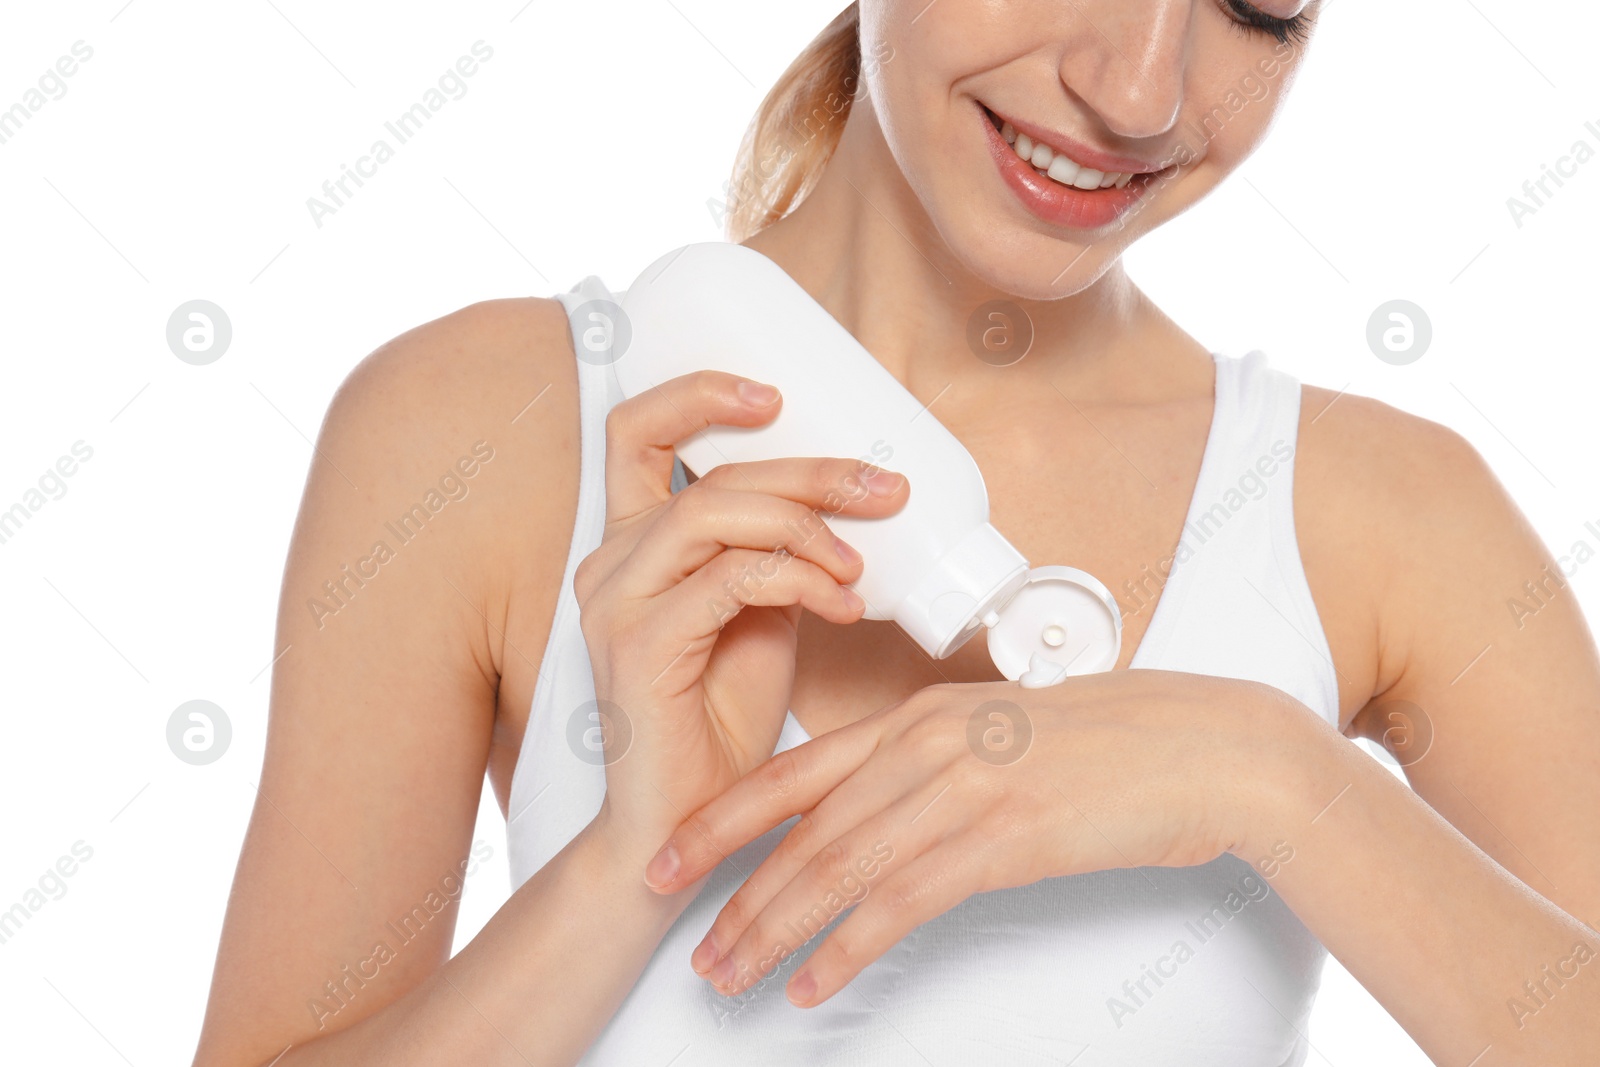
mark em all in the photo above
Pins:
pixel 625 839
pixel 625 846
pixel 1293 765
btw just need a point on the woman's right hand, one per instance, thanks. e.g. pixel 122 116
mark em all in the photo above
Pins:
pixel 690 606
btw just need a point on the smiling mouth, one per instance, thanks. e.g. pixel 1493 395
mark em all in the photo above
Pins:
pixel 1051 162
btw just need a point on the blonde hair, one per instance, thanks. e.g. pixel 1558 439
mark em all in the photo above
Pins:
pixel 795 130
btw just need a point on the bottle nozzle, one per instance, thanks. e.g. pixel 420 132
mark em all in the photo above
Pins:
pixel 1061 622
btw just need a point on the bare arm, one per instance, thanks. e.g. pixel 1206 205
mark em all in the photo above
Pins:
pixel 344 905
pixel 1457 927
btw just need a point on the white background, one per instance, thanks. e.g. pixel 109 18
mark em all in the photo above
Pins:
pixel 177 166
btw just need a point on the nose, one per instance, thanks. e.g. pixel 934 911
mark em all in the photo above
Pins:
pixel 1126 61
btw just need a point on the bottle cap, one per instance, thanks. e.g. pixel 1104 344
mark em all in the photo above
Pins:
pixel 1061 622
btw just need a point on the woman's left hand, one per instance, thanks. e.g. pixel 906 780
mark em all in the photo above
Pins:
pixel 965 788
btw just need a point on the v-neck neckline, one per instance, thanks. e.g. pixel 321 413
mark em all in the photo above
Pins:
pixel 1155 637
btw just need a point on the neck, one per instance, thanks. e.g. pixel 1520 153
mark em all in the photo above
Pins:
pixel 861 245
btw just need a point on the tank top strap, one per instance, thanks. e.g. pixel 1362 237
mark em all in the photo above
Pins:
pixel 1269 401
pixel 1240 555
pixel 593 312
pixel 1263 439
pixel 558 783
pixel 1259 407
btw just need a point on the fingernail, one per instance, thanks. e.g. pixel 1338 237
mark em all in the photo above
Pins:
pixel 757 395
pixel 722 973
pixel 663 868
pixel 802 989
pixel 704 956
pixel 883 483
pixel 846 553
pixel 851 598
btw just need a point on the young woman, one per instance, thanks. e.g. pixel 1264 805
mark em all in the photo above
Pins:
pixel 1141 866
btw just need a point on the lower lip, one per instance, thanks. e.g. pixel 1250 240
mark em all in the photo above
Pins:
pixel 1052 202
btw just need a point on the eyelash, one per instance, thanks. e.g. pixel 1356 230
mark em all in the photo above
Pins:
pixel 1249 20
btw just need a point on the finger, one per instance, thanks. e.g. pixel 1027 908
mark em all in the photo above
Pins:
pixel 857 799
pixel 791 782
pixel 741 577
pixel 839 875
pixel 763 504
pixel 835 485
pixel 669 645
pixel 642 431
pixel 923 889
pixel 692 530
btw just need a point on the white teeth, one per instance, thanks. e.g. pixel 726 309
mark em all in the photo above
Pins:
pixel 1064 170
pixel 1059 168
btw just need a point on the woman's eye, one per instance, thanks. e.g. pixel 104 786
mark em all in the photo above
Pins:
pixel 1251 20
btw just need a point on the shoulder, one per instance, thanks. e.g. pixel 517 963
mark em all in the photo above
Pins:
pixel 1394 476
pixel 469 364
pixel 1405 517
pixel 468 425
pixel 498 376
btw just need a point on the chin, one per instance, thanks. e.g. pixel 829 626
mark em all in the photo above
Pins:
pixel 1029 265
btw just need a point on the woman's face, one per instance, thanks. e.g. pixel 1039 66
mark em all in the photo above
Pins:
pixel 1176 93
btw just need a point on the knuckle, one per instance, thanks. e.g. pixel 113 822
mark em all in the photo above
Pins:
pixel 899 897
pixel 766 565
pixel 592 621
pixel 848 485
pixel 922 717
pixel 707 384
pixel 843 951
pixel 721 476
pixel 801 840
pixel 801 522
pixel 736 913
pixel 924 733
pixel 822 473
pixel 739 580
pixel 838 477
pixel 699 835
pixel 780 776
pixel 833 860
pixel 617 420
pixel 585 577
pixel 934 746
pixel 912 710
pixel 692 505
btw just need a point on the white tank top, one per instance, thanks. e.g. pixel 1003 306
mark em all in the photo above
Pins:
pixel 1201 966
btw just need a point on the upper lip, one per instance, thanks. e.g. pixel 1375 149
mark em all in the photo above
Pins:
pixel 1077 151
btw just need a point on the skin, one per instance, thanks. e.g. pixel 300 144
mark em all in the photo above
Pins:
pixel 1443 899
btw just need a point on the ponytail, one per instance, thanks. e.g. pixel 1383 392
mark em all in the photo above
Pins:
pixel 795 130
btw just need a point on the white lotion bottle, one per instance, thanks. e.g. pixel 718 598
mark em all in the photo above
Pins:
pixel 937 568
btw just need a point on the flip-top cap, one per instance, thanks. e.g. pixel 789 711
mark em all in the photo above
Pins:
pixel 1062 622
